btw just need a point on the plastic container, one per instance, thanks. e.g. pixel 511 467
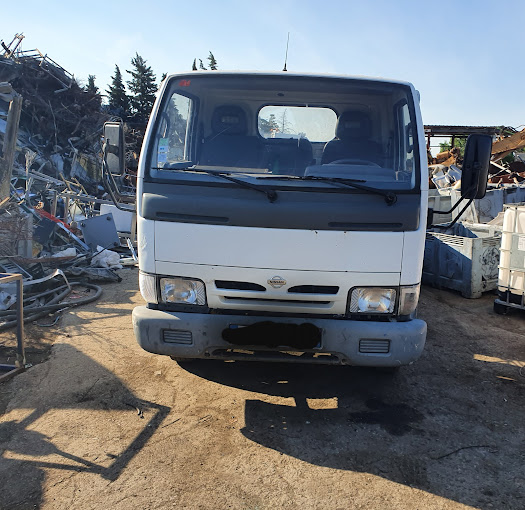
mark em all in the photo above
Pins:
pixel 511 281
pixel 487 208
pixel 464 258
pixel 440 202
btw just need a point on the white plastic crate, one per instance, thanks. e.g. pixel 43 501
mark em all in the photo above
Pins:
pixel 511 281
pixel 464 258
pixel 487 208
pixel 440 202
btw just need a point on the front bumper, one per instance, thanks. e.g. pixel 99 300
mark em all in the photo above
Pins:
pixel 365 343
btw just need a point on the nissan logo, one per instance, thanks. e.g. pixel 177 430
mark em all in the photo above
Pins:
pixel 277 282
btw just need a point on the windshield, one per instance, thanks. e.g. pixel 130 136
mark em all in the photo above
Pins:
pixel 297 128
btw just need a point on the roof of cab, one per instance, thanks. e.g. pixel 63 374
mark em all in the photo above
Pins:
pixel 284 74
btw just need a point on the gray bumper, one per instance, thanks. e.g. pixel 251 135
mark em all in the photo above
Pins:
pixel 195 335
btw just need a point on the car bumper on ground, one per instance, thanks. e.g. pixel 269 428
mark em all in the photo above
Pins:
pixel 195 335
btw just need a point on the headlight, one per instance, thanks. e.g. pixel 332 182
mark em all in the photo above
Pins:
pixel 148 287
pixel 408 298
pixel 182 290
pixel 372 300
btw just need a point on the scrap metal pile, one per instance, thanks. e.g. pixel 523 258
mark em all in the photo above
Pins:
pixel 507 164
pixel 56 227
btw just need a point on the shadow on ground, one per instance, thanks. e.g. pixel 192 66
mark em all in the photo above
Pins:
pixel 365 420
pixel 98 390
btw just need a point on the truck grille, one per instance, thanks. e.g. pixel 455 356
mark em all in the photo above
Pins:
pixel 257 296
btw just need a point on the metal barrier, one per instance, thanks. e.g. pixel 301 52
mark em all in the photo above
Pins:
pixel 20 362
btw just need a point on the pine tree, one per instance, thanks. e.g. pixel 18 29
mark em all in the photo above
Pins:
pixel 142 86
pixel 194 67
pixel 91 87
pixel 201 65
pixel 117 97
pixel 212 62
pixel 92 90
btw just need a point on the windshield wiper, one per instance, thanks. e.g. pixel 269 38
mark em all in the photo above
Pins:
pixel 189 166
pixel 390 197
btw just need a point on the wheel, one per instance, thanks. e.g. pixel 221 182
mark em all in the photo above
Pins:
pixel 500 308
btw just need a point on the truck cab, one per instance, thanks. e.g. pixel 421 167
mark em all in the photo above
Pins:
pixel 282 217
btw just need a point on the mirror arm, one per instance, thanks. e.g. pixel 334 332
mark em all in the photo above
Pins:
pixel 108 184
pixel 453 207
pixel 454 221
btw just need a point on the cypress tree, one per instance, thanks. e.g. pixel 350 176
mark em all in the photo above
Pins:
pixel 142 87
pixel 212 63
pixel 117 98
pixel 92 90
pixel 201 65
pixel 91 87
pixel 194 67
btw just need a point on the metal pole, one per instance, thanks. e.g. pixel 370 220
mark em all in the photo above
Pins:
pixel 20 354
pixel 54 203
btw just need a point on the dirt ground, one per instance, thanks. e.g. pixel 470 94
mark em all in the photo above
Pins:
pixel 103 424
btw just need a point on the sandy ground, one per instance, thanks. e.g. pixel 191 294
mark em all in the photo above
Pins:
pixel 103 424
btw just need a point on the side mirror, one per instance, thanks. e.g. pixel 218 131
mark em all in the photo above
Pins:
pixel 114 156
pixel 475 169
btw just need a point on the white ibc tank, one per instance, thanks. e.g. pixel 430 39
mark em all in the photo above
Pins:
pixel 512 254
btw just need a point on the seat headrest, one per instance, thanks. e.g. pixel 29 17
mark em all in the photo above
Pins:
pixel 353 125
pixel 229 120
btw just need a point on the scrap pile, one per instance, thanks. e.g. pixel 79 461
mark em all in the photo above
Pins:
pixel 61 122
pixel 507 163
pixel 56 227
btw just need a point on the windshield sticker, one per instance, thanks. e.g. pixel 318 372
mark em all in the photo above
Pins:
pixel 162 152
pixel 163 146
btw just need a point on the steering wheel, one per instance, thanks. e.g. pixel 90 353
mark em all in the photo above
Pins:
pixel 350 161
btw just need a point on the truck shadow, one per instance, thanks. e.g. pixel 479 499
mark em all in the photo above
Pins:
pixel 26 454
pixel 362 420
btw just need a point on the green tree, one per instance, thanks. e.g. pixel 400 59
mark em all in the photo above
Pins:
pixel 142 87
pixel 212 63
pixel 266 126
pixel 92 90
pixel 91 87
pixel 458 142
pixel 117 98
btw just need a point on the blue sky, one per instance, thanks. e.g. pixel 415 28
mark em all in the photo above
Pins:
pixel 463 56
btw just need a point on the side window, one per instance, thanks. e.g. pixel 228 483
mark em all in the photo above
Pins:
pixel 173 134
pixel 404 139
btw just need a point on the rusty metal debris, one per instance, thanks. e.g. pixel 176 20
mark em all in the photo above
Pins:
pixel 51 190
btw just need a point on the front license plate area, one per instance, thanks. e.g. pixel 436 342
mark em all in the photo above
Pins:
pixel 274 334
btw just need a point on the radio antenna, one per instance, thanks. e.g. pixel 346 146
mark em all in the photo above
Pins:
pixel 286 56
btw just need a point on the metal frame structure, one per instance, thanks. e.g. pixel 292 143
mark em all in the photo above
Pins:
pixel 20 362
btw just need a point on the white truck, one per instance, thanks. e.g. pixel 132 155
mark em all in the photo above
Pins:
pixel 282 217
